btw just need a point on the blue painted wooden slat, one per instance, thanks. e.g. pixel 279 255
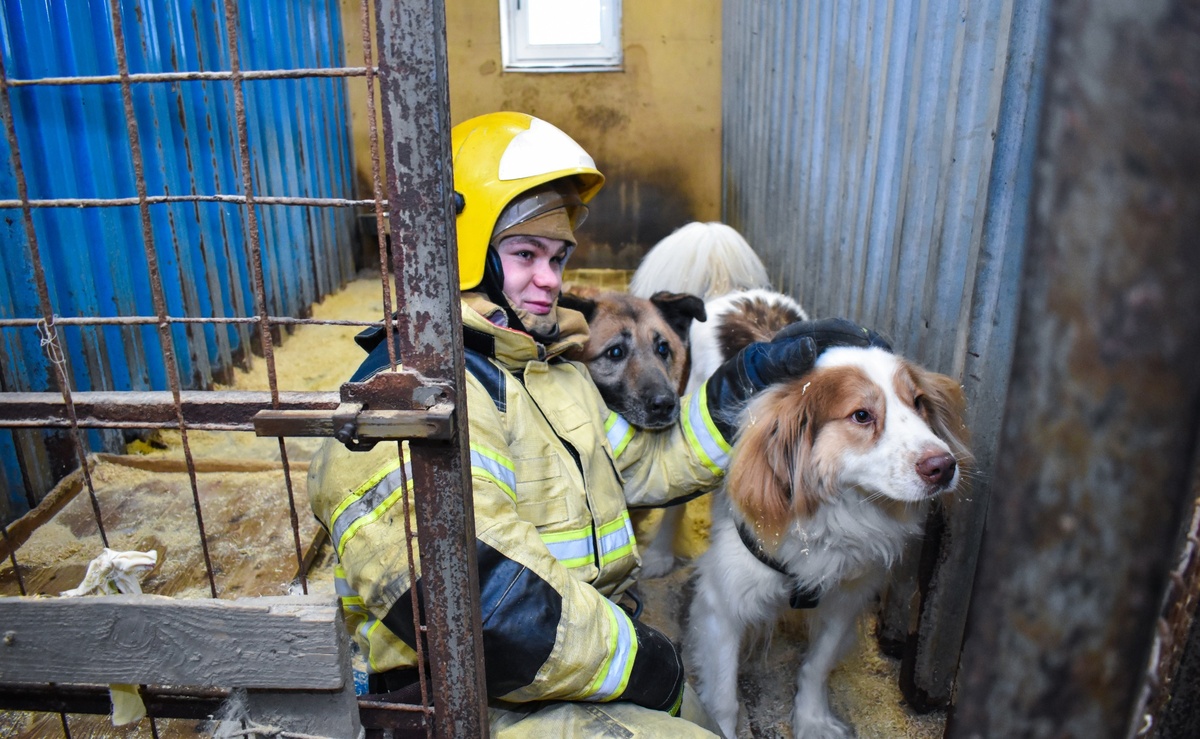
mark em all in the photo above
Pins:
pixel 74 143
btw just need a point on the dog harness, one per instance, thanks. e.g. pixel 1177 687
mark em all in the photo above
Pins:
pixel 802 597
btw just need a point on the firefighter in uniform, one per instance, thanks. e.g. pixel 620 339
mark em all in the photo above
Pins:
pixel 553 469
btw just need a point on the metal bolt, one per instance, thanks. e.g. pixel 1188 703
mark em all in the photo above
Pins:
pixel 10 638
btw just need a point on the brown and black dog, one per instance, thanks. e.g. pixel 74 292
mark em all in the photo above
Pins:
pixel 637 351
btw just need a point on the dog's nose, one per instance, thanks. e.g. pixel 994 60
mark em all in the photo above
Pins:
pixel 662 403
pixel 936 469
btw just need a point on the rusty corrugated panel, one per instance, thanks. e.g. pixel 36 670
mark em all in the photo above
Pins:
pixel 872 155
pixel 1103 411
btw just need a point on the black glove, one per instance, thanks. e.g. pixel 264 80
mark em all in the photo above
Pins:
pixel 791 353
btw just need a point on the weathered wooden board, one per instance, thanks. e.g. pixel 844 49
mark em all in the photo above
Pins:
pixel 280 643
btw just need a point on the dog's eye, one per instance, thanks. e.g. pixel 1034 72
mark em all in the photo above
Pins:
pixel 663 349
pixel 921 404
pixel 615 352
pixel 862 416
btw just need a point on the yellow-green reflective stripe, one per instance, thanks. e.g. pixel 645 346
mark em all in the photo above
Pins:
pixel 498 469
pixel 675 708
pixel 702 433
pixel 616 539
pixel 615 677
pixel 571 548
pixel 350 599
pixel 369 483
pixel 367 630
pixel 369 506
pixel 619 433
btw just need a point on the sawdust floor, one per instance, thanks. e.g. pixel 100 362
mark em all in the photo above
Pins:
pixel 146 502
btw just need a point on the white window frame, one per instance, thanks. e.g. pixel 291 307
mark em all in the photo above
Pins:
pixel 521 56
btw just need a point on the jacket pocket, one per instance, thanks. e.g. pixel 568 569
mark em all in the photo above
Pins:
pixel 541 498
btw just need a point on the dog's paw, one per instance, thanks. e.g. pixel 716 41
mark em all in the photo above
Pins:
pixel 821 726
pixel 656 563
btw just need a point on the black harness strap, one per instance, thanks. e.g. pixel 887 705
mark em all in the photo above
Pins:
pixel 801 597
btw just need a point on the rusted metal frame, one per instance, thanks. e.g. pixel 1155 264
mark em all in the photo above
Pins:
pixel 289 414
pixel 230 409
pixel 55 353
pixel 156 288
pixel 422 630
pixel 379 203
pixel 395 716
pixel 171 199
pixel 1175 623
pixel 1102 416
pixel 143 77
pixel 232 26
pixel 415 102
pixel 379 209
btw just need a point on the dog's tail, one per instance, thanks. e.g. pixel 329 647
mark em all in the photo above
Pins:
pixel 705 259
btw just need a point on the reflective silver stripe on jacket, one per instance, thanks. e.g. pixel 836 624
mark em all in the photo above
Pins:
pixel 496 468
pixel 616 676
pixel 619 432
pixel 571 548
pixel 364 509
pixel 616 539
pixel 702 434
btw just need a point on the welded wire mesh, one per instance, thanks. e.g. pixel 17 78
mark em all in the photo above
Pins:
pixel 177 189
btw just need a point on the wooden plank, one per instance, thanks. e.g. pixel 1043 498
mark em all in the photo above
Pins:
pixel 199 464
pixel 291 643
pixel 19 531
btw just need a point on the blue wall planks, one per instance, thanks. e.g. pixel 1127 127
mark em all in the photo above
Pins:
pixel 74 143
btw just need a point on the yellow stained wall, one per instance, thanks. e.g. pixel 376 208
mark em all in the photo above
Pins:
pixel 653 128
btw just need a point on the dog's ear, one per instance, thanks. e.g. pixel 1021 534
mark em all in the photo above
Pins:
pixel 575 301
pixel 679 310
pixel 945 408
pixel 773 449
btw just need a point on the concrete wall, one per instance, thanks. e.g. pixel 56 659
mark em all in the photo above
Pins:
pixel 654 128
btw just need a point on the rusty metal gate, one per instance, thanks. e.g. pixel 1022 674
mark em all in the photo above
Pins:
pixel 208 57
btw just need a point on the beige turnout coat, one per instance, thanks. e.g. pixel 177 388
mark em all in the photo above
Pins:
pixel 554 473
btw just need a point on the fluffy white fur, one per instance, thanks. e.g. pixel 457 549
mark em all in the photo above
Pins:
pixel 831 497
pixel 704 259
pixel 708 259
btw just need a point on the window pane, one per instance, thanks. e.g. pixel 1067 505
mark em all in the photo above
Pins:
pixel 563 22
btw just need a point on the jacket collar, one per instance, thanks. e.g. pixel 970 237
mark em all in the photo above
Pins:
pixel 516 348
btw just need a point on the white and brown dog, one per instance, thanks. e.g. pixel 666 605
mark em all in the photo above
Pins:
pixel 830 475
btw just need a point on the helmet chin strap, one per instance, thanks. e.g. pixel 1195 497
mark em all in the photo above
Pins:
pixel 493 287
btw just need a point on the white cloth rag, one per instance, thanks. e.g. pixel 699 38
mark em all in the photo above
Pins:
pixel 111 573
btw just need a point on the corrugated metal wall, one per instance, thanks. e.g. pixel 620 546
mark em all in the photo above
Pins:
pixel 878 155
pixel 857 148
pixel 74 142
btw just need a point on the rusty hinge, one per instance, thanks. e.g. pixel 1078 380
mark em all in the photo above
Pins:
pixel 387 407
